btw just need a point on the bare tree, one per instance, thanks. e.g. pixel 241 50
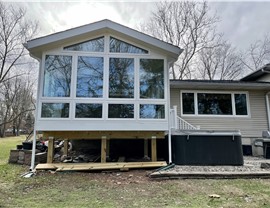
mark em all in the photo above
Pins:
pixel 257 55
pixel 222 62
pixel 15 30
pixel 17 97
pixel 187 24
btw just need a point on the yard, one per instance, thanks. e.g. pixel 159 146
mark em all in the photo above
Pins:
pixel 120 189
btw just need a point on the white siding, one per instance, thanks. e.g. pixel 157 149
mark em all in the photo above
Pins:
pixel 250 127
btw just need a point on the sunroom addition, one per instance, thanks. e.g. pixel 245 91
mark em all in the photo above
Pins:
pixel 103 81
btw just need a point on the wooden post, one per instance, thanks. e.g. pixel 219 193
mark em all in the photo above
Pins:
pixel 145 150
pixel 154 149
pixel 66 147
pixel 50 154
pixel 103 149
pixel 108 148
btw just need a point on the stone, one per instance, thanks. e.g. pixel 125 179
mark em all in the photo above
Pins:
pixel 14 156
pixel 265 165
pixel 214 196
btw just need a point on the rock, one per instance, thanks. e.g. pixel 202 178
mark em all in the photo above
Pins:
pixel 214 196
pixel 118 183
pixel 265 165
pixel 63 157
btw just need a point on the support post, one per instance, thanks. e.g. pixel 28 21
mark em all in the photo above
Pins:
pixel 50 150
pixel 145 149
pixel 103 149
pixel 107 147
pixel 154 149
pixel 66 147
pixel 170 145
pixel 176 125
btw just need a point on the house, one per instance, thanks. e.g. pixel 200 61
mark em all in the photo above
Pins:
pixel 226 105
pixel 103 81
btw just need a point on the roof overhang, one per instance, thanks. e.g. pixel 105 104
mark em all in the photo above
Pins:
pixel 257 74
pixel 218 85
pixel 37 46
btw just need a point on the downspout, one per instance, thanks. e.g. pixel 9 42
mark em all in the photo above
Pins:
pixel 33 150
pixel 267 109
pixel 32 167
pixel 169 115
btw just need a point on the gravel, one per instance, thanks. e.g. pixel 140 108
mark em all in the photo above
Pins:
pixel 251 165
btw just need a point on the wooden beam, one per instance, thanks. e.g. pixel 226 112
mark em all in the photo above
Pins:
pixel 50 154
pixel 99 166
pixel 66 147
pixel 108 134
pixel 103 149
pixel 154 149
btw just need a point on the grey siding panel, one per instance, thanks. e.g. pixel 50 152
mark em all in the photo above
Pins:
pixel 250 126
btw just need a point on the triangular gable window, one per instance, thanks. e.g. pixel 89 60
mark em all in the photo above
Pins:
pixel 94 45
pixel 119 46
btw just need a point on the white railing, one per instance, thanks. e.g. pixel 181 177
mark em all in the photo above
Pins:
pixel 184 125
pixel 178 123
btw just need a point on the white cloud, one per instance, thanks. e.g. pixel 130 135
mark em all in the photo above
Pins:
pixel 242 22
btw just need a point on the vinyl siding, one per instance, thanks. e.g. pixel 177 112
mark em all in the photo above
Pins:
pixel 250 127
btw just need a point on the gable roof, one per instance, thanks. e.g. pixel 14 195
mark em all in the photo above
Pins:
pixel 36 46
pixel 257 74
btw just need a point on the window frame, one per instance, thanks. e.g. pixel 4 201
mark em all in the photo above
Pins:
pixel 232 93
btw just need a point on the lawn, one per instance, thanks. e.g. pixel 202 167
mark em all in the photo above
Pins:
pixel 120 189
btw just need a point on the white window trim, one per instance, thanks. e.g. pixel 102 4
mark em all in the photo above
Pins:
pixel 232 93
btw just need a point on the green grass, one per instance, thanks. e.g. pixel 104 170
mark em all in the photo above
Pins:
pixel 129 189
pixel 6 144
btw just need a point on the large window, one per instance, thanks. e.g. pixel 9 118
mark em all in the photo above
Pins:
pixel 205 103
pixel 152 78
pixel 241 104
pixel 55 110
pixel 121 111
pixel 121 78
pixel 57 76
pixel 94 45
pixel 152 111
pixel 119 46
pixel 214 104
pixel 88 110
pixel 89 77
pixel 104 78
pixel 188 103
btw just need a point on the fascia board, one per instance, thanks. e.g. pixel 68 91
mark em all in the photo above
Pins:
pixel 220 86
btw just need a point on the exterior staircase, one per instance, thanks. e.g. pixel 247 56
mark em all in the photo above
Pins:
pixel 179 124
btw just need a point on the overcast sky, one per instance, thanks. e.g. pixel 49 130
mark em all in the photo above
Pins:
pixel 241 22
